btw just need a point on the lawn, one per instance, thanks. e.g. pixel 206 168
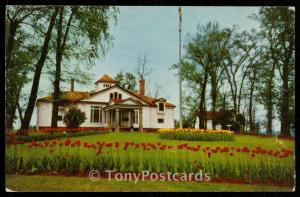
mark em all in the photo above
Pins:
pixel 230 164
pixel 61 184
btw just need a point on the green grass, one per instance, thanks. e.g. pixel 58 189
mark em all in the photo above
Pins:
pixel 240 140
pixel 59 183
pixel 122 137
pixel 263 167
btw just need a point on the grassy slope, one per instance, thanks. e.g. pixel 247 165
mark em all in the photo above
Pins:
pixel 240 140
pixel 52 183
pixel 38 183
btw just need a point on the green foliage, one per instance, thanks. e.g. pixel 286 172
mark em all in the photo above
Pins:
pixel 196 136
pixel 126 80
pixel 74 117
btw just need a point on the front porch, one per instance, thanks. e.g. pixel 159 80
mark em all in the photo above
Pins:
pixel 122 116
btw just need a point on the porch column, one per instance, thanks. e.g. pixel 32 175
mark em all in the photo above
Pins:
pixel 117 121
pixel 107 118
pixel 141 119
pixel 129 120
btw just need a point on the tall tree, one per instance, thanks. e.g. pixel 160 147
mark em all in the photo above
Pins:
pixel 278 30
pixel 241 51
pixel 37 74
pixel 60 46
pixel 76 30
pixel 203 51
pixel 20 53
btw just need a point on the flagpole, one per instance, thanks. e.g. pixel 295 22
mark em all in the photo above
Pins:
pixel 180 70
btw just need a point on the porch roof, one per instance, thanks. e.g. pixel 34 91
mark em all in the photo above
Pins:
pixel 123 104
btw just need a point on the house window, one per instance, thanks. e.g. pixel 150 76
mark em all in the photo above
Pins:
pixel 111 96
pixel 160 120
pixel 115 95
pixel 120 96
pixel 161 107
pixel 59 118
pixel 135 116
pixel 95 114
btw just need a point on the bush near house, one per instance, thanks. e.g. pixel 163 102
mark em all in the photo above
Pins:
pixel 193 134
pixel 74 117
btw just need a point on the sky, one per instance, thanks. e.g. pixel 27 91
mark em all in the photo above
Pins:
pixel 153 30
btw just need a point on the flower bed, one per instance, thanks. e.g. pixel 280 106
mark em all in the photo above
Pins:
pixel 193 134
pixel 46 135
pixel 67 156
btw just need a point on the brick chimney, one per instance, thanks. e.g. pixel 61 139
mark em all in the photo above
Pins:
pixel 142 87
pixel 72 85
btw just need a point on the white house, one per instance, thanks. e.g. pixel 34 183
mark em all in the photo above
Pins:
pixel 111 106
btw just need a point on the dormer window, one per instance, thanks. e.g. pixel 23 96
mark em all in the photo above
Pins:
pixel 106 85
pixel 161 107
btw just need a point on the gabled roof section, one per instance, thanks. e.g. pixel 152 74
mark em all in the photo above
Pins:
pixel 127 101
pixel 129 92
pixel 78 96
pixel 105 78
pixel 160 99
pixel 152 100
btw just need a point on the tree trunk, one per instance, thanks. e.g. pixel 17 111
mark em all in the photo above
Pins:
pixel 285 121
pixel 59 52
pixel 201 106
pixel 56 94
pixel 10 108
pixel 269 108
pixel 35 84
pixel 214 94
pixel 251 120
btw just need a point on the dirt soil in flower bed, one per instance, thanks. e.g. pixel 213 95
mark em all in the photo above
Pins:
pixel 213 180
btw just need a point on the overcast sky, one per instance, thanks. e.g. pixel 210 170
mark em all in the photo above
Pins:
pixel 153 30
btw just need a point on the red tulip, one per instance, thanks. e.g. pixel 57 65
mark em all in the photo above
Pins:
pixel 136 146
pixel 162 147
pixel 117 144
pixel 209 154
pixel 67 142
pixel 231 154
pixel 252 155
pixel 180 147
pixel 238 150
pixel 214 151
pixel 108 145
